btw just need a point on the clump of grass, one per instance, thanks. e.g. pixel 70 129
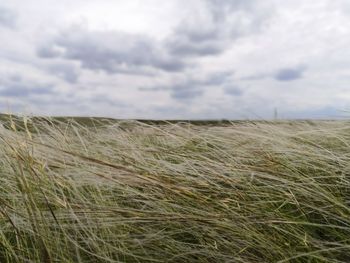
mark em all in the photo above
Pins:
pixel 135 192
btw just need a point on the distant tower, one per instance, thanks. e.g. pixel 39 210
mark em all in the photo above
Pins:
pixel 275 113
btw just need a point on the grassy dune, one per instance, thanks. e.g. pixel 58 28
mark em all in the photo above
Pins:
pixel 127 191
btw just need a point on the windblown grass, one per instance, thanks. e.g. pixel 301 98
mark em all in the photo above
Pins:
pixel 133 192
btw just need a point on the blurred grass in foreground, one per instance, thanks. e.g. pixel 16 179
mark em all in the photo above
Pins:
pixel 128 191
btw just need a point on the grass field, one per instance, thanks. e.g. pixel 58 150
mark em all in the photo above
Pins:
pixel 91 190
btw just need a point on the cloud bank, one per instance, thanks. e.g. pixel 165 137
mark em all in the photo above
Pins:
pixel 175 59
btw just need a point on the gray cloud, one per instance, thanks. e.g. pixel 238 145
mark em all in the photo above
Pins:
pixel 194 42
pixel 256 76
pixel 220 9
pixel 8 18
pixel 188 48
pixel 49 50
pixel 65 71
pixel 64 103
pixel 241 17
pixel 282 74
pixel 289 74
pixel 105 99
pixel 193 87
pixel 190 41
pixel 216 79
pixel 227 21
pixel 233 91
pixel 118 52
pixel 109 51
pixel 187 90
pixel 213 79
pixel 15 86
pixel 20 90
pixel 184 92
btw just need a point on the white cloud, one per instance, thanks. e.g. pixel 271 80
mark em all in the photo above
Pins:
pixel 196 59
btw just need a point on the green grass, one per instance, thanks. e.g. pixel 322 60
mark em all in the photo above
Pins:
pixel 90 190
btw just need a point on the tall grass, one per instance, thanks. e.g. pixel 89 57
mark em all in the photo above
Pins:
pixel 133 192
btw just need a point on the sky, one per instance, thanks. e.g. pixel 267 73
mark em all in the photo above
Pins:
pixel 176 59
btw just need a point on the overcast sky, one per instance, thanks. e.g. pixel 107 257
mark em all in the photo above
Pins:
pixel 176 59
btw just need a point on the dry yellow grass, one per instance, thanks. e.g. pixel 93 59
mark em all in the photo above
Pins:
pixel 132 192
